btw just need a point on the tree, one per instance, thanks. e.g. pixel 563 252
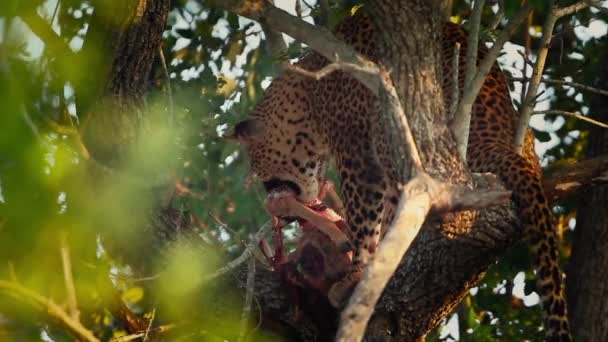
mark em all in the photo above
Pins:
pixel 588 257
pixel 161 211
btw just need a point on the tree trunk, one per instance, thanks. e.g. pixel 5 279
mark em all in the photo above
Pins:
pixel 446 259
pixel 587 277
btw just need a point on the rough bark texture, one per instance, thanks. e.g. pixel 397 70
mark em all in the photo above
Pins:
pixel 122 44
pixel 587 276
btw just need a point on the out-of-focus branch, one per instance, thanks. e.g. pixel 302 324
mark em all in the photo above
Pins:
pixel 53 310
pixel 45 32
pixel 69 280
pixel 528 105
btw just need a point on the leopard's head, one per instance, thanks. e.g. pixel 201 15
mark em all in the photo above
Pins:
pixel 283 144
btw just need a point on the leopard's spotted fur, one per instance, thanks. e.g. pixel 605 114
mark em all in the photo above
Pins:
pixel 300 123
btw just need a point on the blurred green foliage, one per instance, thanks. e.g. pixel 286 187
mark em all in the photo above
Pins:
pixel 217 66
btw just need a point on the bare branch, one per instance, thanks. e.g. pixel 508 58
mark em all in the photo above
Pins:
pixel 459 125
pixel 371 69
pixel 572 115
pixel 463 116
pixel 247 253
pixel 52 309
pixel 421 195
pixel 395 107
pixel 528 105
pixel 565 83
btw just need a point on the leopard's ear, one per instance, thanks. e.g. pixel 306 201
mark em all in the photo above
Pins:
pixel 245 131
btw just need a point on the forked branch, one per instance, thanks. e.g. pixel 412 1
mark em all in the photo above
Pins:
pixel 530 100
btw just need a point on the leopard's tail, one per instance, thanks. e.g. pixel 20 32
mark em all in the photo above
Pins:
pixel 523 179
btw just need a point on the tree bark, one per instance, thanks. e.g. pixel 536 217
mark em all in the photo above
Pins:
pixel 587 277
pixel 447 258
pixel 122 44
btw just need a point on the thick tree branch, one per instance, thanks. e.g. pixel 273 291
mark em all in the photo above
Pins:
pixel 419 196
pixel 417 279
pixel 562 181
pixel 528 105
pixel 318 38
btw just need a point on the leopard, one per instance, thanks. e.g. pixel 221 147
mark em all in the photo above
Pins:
pixel 301 124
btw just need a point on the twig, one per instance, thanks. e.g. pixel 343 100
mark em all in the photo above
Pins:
pixel 371 69
pixel 572 115
pixel 131 337
pixel 420 196
pixel 248 299
pixel 163 63
pixel 53 310
pixel 247 253
pixel 69 280
pixel 565 83
pixel 528 105
pixel 459 125
pixel 153 314
pixel 383 76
